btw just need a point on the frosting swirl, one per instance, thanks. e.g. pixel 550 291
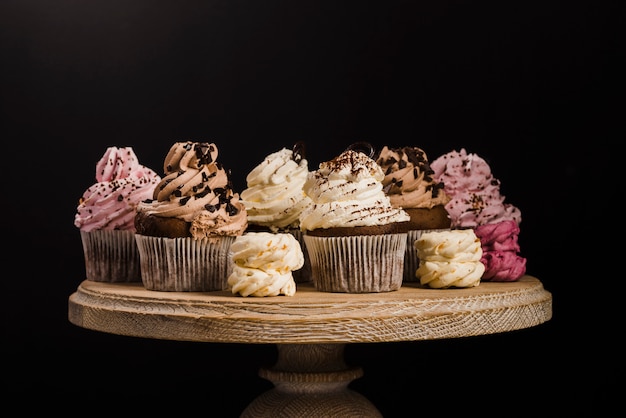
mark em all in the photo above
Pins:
pixel 474 191
pixel 409 181
pixel 500 247
pixel 121 183
pixel 347 191
pixel 449 259
pixel 263 263
pixel 197 189
pixel 274 197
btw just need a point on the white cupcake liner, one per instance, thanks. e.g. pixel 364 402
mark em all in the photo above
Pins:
pixel 111 256
pixel 357 264
pixel 184 264
pixel 411 260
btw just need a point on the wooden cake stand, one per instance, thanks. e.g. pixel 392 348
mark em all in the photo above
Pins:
pixel 311 329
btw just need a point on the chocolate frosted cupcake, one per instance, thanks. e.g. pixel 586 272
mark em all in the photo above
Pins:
pixel 410 185
pixel 106 212
pixel 274 198
pixel 355 239
pixel 185 231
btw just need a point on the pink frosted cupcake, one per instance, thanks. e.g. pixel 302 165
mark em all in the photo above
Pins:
pixel 476 203
pixel 106 212
pixel 185 231
pixel 355 239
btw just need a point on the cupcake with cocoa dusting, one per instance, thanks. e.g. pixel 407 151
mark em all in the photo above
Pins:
pixel 185 231
pixel 274 198
pixel 106 212
pixel 410 185
pixel 355 239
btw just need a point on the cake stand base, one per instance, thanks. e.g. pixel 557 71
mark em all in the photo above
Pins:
pixel 310 380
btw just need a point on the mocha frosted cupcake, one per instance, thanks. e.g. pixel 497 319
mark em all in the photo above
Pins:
pixel 410 185
pixel 355 239
pixel 106 212
pixel 185 231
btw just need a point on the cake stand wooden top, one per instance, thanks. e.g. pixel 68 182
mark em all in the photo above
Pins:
pixel 311 317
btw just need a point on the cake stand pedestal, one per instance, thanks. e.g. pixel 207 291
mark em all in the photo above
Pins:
pixel 311 329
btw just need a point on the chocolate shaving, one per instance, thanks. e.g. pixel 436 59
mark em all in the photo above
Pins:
pixel 364 147
pixel 298 151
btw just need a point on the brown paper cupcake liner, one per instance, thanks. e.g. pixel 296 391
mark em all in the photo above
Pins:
pixel 184 264
pixel 357 264
pixel 111 256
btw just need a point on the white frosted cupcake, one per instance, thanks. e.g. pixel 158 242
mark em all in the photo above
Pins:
pixel 355 239
pixel 274 198
pixel 184 233
pixel 105 216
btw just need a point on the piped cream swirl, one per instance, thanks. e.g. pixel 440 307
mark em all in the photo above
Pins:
pixel 274 197
pixel 263 263
pixel 449 259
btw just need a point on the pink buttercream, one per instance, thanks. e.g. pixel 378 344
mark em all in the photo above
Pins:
pixel 499 242
pixel 501 236
pixel 121 184
pixel 502 266
pixel 475 193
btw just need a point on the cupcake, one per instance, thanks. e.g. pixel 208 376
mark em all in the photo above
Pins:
pixel 105 216
pixel 185 231
pixel 449 259
pixel 274 198
pixel 410 185
pixel 476 202
pixel 355 239
pixel 263 264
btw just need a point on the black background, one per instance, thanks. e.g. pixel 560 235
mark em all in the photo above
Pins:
pixel 532 87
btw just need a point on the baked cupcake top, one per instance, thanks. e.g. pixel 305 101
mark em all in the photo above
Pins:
pixel 197 189
pixel 474 191
pixel 409 181
pixel 274 197
pixel 347 191
pixel 121 183
pixel 263 263
pixel 449 258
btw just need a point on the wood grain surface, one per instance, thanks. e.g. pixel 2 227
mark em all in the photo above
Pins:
pixel 311 317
